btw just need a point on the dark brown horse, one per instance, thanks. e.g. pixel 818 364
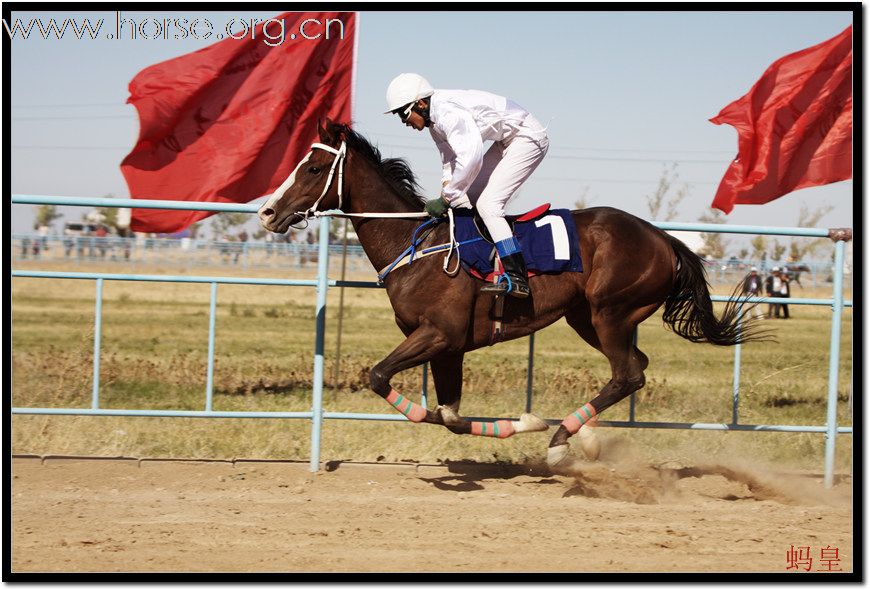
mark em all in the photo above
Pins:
pixel 631 269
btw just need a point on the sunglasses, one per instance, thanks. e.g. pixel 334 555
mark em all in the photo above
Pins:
pixel 403 115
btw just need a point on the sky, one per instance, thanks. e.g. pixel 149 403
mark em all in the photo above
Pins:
pixel 626 96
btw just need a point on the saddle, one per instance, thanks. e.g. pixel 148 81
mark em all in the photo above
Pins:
pixel 512 220
pixel 548 238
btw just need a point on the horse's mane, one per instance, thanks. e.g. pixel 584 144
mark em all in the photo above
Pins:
pixel 395 171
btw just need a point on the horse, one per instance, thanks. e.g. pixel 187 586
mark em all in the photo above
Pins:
pixel 630 270
pixel 795 271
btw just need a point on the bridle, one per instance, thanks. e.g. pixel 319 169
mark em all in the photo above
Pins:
pixel 340 155
pixel 337 162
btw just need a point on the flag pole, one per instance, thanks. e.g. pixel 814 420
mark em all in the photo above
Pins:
pixel 336 367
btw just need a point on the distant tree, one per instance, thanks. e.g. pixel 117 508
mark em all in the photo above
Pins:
pixel 222 224
pixel 107 215
pixel 744 254
pixel 658 199
pixel 714 243
pixel 93 216
pixel 583 201
pixel 759 247
pixel 46 214
pixel 778 251
pixel 195 229
pixel 800 248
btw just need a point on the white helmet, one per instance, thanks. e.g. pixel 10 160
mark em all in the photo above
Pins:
pixel 407 88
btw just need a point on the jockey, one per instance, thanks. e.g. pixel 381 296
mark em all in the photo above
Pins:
pixel 459 122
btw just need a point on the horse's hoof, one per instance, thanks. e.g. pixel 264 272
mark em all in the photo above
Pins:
pixel 530 423
pixel 558 456
pixel 589 443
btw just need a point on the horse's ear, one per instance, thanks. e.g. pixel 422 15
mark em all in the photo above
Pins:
pixel 327 132
pixel 321 131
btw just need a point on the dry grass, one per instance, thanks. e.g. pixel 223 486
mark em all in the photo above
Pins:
pixel 154 351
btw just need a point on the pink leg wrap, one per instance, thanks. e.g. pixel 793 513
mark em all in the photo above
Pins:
pixel 414 412
pixel 497 429
pixel 574 421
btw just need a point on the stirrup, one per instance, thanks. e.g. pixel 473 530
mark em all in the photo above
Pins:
pixel 513 286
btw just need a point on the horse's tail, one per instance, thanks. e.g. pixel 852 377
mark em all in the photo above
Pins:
pixel 689 309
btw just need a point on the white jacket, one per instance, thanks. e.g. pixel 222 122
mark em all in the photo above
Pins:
pixel 461 120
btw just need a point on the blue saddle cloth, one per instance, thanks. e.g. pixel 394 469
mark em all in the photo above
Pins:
pixel 549 244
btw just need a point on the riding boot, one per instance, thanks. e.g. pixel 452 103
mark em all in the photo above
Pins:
pixel 514 281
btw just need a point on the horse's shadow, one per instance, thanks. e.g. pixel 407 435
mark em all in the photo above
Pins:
pixel 466 476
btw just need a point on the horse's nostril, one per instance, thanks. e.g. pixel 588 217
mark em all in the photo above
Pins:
pixel 267 213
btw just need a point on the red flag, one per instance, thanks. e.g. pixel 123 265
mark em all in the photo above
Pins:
pixel 794 126
pixel 228 123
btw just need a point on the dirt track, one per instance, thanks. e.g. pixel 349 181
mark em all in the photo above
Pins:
pixel 160 516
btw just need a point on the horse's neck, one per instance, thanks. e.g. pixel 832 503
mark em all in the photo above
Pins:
pixel 383 239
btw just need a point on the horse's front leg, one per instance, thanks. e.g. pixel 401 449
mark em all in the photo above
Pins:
pixel 426 343
pixel 420 346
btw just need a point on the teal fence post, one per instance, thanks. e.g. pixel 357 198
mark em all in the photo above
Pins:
pixel 98 329
pixel 320 338
pixel 834 366
pixel 209 385
pixel 531 372
pixel 735 391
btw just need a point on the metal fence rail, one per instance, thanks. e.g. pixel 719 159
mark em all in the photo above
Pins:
pixel 188 253
pixel 322 283
pixel 182 253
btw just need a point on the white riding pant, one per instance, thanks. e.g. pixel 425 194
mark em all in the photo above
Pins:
pixel 506 166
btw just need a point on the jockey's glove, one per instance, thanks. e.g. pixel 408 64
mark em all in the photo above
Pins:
pixel 437 207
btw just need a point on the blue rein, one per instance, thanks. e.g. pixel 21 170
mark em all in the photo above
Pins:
pixel 415 243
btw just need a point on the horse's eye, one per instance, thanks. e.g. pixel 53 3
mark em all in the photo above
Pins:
pixel 314 170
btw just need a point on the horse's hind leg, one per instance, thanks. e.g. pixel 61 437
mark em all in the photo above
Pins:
pixel 580 318
pixel 447 374
pixel 612 332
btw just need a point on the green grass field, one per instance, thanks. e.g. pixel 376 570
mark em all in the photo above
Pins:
pixel 154 355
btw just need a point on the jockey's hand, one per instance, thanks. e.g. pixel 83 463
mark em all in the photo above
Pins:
pixel 437 207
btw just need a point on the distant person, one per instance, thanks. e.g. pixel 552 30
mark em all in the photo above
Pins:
pixel 269 240
pixel 101 234
pixel 68 242
pixel 784 293
pixel 225 248
pixel 42 230
pixel 242 238
pixel 307 252
pixel 128 236
pixel 92 250
pixel 772 285
pixel 752 288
